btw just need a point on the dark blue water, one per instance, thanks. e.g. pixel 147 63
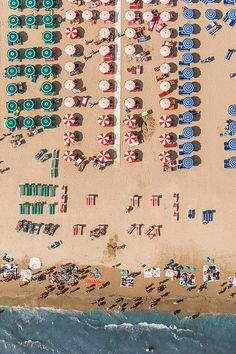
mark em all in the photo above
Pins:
pixel 60 332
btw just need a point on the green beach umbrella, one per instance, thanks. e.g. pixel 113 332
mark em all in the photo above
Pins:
pixel 46 104
pixel 48 19
pixel 28 122
pixel 12 54
pixel 29 70
pixel 30 53
pixel 11 89
pixel 28 104
pixel 48 4
pixel 30 4
pixel 30 20
pixel 13 37
pixel 48 37
pixel 12 106
pixel 46 70
pixel 46 121
pixel 12 71
pixel 13 4
pixel 46 53
pixel 47 87
pixel 11 123
pixel 13 21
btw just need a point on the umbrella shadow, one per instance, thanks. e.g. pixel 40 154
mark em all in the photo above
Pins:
pixel 173 154
pixel 139 84
pixel 197 145
pixel 113 84
pixel 57 36
pixel 78 136
pixel 56 120
pixel 58 53
pixel 173 68
pixel 196 160
pixel 197 101
pixel 138 48
pixel 57 69
pixel 197 72
pixel 196 57
pixel 196 131
pixel 139 154
pixel 81 32
pixel 196 43
pixel 219 14
pixel 113 154
pixel 56 87
pixel 174 119
pixel 80 49
pixel 197 14
pixel 78 154
pixel 79 119
pixel 197 29
pixel 23 37
pixel 174 33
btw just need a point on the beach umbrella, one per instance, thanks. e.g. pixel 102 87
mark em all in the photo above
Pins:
pixel 105 1
pixel 104 15
pixel 12 54
pixel 104 139
pixel 232 144
pixel 129 49
pixel 69 84
pixel 28 104
pixel 30 20
pixel 48 4
pixel 12 71
pixel 130 85
pixel 46 104
pixel 188 29
pixel 47 53
pixel 164 2
pixel 70 15
pixel 130 121
pixel 30 53
pixel 188 102
pixel 48 20
pixel 231 14
pixel 188 13
pixel 104 121
pixel 104 50
pixel 187 117
pixel 188 132
pixel 165 122
pixel 104 102
pixel 188 73
pixel 71 32
pixel 104 68
pixel 165 16
pixel 232 126
pixel 165 103
pixel 87 1
pixel 87 15
pixel 14 4
pixel 47 87
pixel 69 102
pixel 188 43
pixel 148 16
pixel 48 37
pixel 187 58
pixel 68 156
pixel 130 15
pixel 11 106
pixel 11 89
pixel 165 51
pixel 104 33
pixel 69 138
pixel 232 162
pixel 35 263
pixel 130 103
pixel 188 88
pixel 187 162
pixel 130 32
pixel 164 86
pixel 46 70
pixel 69 119
pixel 147 1
pixel 11 123
pixel 69 66
pixel 70 49
pixel 103 156
pixel 188 148
pixel 28 122
pixel 130 138
pixel 13 37
pixel 165 33
pixel 232 110
pixel 130 156
pixel 165 68
pixel 130 1
pixel 13 21
pixel 165 139
pixel 46 122
pixel 164 156
pixel 104 85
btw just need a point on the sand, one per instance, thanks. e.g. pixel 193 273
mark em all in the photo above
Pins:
pixel 206 186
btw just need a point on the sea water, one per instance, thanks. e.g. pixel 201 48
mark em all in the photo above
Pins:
pixel 39 331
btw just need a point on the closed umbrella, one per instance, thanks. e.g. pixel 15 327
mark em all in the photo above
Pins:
pixel 69 102
pixel 165 139
pixel 130 85
pixel 130 156
pixel 71 32
pixel 103 156
pixel 104 85
pixel 165 16
pixel 69 84
pixel 70 49
pixel 69 119
pixel 165 103
pixel 165 51
pixel 129 49
pixel 165 33
pixel 69 138
pixel 130 138
pixel 104 15
pixel 104 102
pixel 70 15
pixel 165 122
pixel 104 50
pixel 164 86
pixel 104 68
pixel 130 103
pixel 164 157
pixel 165 68
pixel 104 33
pixel 130 15
pixel 68 156
pixel 87 15
pixel 130 32
pixel 104 139
pixel 69 66
pixel 104 121
pixel 130 121
pixel 148 16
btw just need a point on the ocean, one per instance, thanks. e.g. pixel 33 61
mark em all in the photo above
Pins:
pixel 39 331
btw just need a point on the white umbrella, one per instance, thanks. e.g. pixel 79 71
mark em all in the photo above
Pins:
pixel 70 49
pixel 165 16
pixel 148 16
pixel 104 68
pixel 130 32
pixel 130 85
pixel 105 1
pixel 104 32
pixel 70 15
pixel 129 49
pixel 164 2
pixel 69 66
pixel 165 33
pixel 165 51
pixel 130 1
pixel 87 15
pixel 104 85
pixel 69 84
pixel 129 103
pixel 104 15
pixel 130 15
pixel 35 263
pixel 104 102
pixel 69 102
pixel 165 103
pixel 104 50
pixel 164 86
pixel 147 1
pixel 165 68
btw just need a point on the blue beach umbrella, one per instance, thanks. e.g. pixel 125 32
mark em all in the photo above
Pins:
pixel 187 162
pixel 188 43
pixel 188 102
pixel 188 73
pixel 188 28
pixel 232 14
pixel 232 162
pixel 210 14
pixel 188 117
pixel 188 13
pixel 188 148
pixel 232 110
pixel 188 132
pixel 188 88
pixel 232 126
pixel 232 144
pixel 187 58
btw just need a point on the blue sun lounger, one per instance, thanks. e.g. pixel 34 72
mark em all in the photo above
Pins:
pixel 204 217
pixel 229 54
pixel 210 215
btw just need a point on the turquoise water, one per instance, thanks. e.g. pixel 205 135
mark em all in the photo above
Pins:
pixel 47 331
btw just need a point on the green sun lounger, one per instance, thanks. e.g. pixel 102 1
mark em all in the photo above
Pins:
pixel 27 189
pixel 22 189
pixel 53 173
pixel 45 190
pixel 39 208
pixel 53 163
pixel 40 190
pixel 33 208
pixel 21 208
pixel 26 208
pixel 34 189
pixel 52 190
pixel 51 208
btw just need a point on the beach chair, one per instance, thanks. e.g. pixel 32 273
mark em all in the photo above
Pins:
pixel 157 231
pixel 138 229
pixel 149 230
pixel 40 190
pixel 34 189
pixel 225 18
pixel 176 215
pixel 204 217
pixel 232 23
pixel 45 190
pixel 75 230
pixel 27 190
pixel 26 208
pixel 131 229
pixel 210 215
pixel 21 209
pixel 22 189
pixel 154 200
pixel 229 54
pixel 91 199
pixel 52 190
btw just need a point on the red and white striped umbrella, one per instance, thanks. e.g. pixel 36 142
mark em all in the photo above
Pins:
pixel 103 156
pixel 69 138
pixel 104 139
pixel 165 139
pixel 68 156
pixel 69 119
pixel 71 32
pixel 164 156
pixel 130 138
pixel 165 122
pixel 104 121
pixel 130 121
pixel 130 156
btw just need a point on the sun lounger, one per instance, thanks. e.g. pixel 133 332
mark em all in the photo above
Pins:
pixel 204 217
pixel 45 190
pixel 27 190
pixel 229 54
pixel 51 208
pixel 26 208
pixel 131 229
pixel 40 190
pixel 22 189
pixel 157 231
pixel 32 208
pixel 21 209
pixel 75 230
pixel 176 197
pixel 52 190
pixel 138 229
pixel 149 230
pixel 176 215
pixel 34 189
pixel 154 200
pixel 210 215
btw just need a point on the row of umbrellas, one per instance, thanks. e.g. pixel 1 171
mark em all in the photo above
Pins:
pixel 87 15
pixel 29 70
pixel 30 20
pixel 103 156
pixel 31 53
pixel 28 122
pixel 28 105
pixel 31 4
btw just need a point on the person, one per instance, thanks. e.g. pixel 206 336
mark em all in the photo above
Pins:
pixel 150 349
